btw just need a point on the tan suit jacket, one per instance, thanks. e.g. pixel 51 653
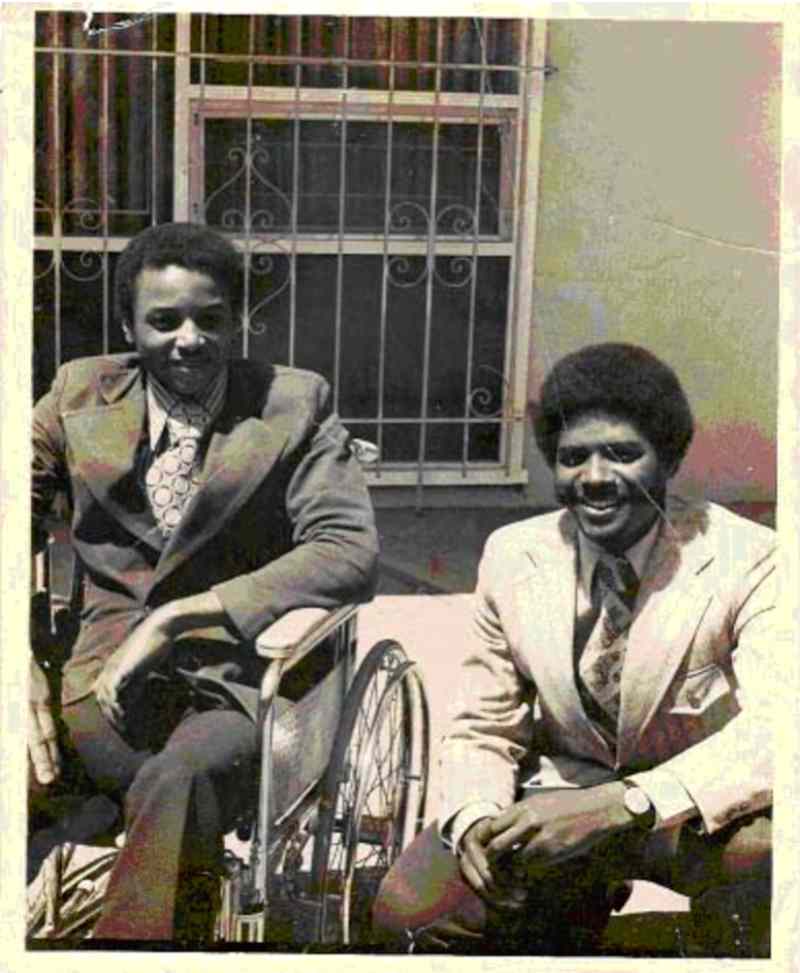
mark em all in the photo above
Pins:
pixel 701 665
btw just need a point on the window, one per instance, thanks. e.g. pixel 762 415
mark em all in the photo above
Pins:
pixel 371 171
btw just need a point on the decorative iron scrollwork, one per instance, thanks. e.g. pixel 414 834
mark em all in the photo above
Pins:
pixel 266 265
pixel 401 221
pixel 400 271
pixel 261 220
pixel 462 269
pixel 462 220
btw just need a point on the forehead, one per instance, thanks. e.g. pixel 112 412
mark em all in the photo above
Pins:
pixel 174 285
pixel 598 426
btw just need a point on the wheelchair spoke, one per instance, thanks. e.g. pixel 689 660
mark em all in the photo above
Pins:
pixel 376 780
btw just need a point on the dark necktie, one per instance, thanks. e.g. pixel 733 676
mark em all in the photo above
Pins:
pixel 615 586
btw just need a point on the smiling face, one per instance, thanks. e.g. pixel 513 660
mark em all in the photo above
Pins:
pixel 183 328
pixel 609 476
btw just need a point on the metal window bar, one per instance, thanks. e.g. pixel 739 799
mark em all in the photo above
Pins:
pixel 431 270
pixel 104 180
pixel 154 160
pixel 57 223
pixel 298 72
pixel 337 341
pixel 248 186
pixel 515 311
pixel 385 270
pixel 473 284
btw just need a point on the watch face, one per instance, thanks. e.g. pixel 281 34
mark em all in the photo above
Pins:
pixel 636 801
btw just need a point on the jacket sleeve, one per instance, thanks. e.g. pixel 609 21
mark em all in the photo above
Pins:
pixel 49 476
pixel 492 727
pixel 334 558
pixel 729 774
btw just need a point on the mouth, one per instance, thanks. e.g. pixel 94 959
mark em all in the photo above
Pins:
pixel 188 367
pixel 601 509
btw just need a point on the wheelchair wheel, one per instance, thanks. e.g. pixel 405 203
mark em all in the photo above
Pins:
pixel 373 794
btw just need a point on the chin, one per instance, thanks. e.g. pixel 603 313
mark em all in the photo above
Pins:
pixel 611 532
pixel 189 383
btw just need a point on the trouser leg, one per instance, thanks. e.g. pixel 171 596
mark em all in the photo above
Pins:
pixel 728 876
pixel 178 805
pixel 740 852
pixel 425 905
pixel 177 810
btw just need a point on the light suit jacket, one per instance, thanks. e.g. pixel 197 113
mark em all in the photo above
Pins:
pixel 281 520
pixel 701 666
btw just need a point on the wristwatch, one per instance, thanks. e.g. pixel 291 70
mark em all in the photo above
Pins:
pixel 639 806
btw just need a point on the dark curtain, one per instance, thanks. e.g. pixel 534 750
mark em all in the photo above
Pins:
pixel 465 40
pixel 104 126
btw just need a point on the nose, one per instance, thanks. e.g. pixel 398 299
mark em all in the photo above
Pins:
pixel 597 469
pixel 189 337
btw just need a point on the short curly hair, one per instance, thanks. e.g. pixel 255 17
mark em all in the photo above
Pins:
pixel 623 380
pixel 188 245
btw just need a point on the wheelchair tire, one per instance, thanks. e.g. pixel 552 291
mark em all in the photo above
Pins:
pixel 373 793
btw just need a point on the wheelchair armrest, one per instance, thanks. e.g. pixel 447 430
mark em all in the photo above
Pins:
pixel 297 632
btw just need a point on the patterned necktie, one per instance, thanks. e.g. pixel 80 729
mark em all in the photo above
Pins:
pixel 173 475
pixel 615 586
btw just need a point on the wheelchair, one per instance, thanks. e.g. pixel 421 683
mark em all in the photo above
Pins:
pixel 307 857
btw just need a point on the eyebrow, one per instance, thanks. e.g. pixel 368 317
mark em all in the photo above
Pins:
pixel 614 443
pixel 218 302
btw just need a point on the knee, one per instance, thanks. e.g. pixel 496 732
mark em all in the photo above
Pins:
pixel 160 778
pixel 423 887
pixel 388 924
pixel 395 907
pixel 748 852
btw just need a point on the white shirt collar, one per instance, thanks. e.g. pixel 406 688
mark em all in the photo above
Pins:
pixel 638 554
pixel 160 402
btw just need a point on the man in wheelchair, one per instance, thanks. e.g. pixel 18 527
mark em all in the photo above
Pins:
pixel 614 719
pixel 208 496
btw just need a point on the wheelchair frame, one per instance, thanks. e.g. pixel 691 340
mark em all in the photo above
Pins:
pixel 363 802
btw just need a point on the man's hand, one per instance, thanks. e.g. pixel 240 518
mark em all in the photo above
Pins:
pixel 490 880
pixel 42 740
pixel 146 647
pixel 122 675
pixel 552 827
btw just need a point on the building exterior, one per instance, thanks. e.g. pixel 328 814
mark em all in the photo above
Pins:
pixel 432 210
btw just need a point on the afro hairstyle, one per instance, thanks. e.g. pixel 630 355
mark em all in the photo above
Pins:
pixel 624 381
pixel 188 245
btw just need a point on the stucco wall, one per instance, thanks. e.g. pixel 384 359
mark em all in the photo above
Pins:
pixel 658 223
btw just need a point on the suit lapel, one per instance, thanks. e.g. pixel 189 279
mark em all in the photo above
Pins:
pixel 241 452
pixel 672 603
pixel 546 603
pixel 104 440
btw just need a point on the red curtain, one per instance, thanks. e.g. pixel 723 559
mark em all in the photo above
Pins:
pixel 105 125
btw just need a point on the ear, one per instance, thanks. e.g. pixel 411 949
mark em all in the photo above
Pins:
pixel 126 330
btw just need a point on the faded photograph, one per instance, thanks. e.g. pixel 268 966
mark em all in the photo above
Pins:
pixel 404 484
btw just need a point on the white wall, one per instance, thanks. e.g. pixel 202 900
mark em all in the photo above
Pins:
pixel 658 223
